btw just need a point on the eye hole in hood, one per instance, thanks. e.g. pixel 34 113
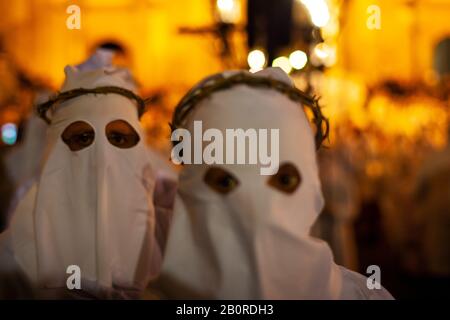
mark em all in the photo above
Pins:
pixel 287 179
pixel 78 135
pixel 121 134
pixel 220 180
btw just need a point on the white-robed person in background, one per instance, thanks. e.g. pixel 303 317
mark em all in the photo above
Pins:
pixel 237 234
pixel 91 209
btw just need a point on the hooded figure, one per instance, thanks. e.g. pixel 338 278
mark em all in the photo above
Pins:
pixel 237 234
pixel 91 209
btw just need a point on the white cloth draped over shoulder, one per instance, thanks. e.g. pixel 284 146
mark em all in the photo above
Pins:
pixel 254 242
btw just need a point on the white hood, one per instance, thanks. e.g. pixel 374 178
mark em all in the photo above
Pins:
pixel 253 242
pixel 93 207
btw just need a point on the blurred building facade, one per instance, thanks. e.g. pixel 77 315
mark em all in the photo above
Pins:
pixel 38 42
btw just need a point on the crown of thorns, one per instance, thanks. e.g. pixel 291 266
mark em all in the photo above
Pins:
pixel 67 95
pixel 217 83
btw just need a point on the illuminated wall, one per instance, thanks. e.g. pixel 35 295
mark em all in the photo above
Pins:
pixel 35 33
pixel 402 48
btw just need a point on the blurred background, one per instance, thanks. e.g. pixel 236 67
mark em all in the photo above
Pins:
pixel 381 70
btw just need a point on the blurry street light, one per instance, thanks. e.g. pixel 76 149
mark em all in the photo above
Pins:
pixel 323 54
pixel 229 10
pixel 298 59
pixel 321 51
pixel 318 11
pixel 256 60
pixel 283 63
pixel 9 133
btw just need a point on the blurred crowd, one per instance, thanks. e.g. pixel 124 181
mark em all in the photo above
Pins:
pixel 388 204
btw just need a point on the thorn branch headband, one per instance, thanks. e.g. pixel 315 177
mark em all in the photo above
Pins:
pixel 219 82
pixel 67 95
